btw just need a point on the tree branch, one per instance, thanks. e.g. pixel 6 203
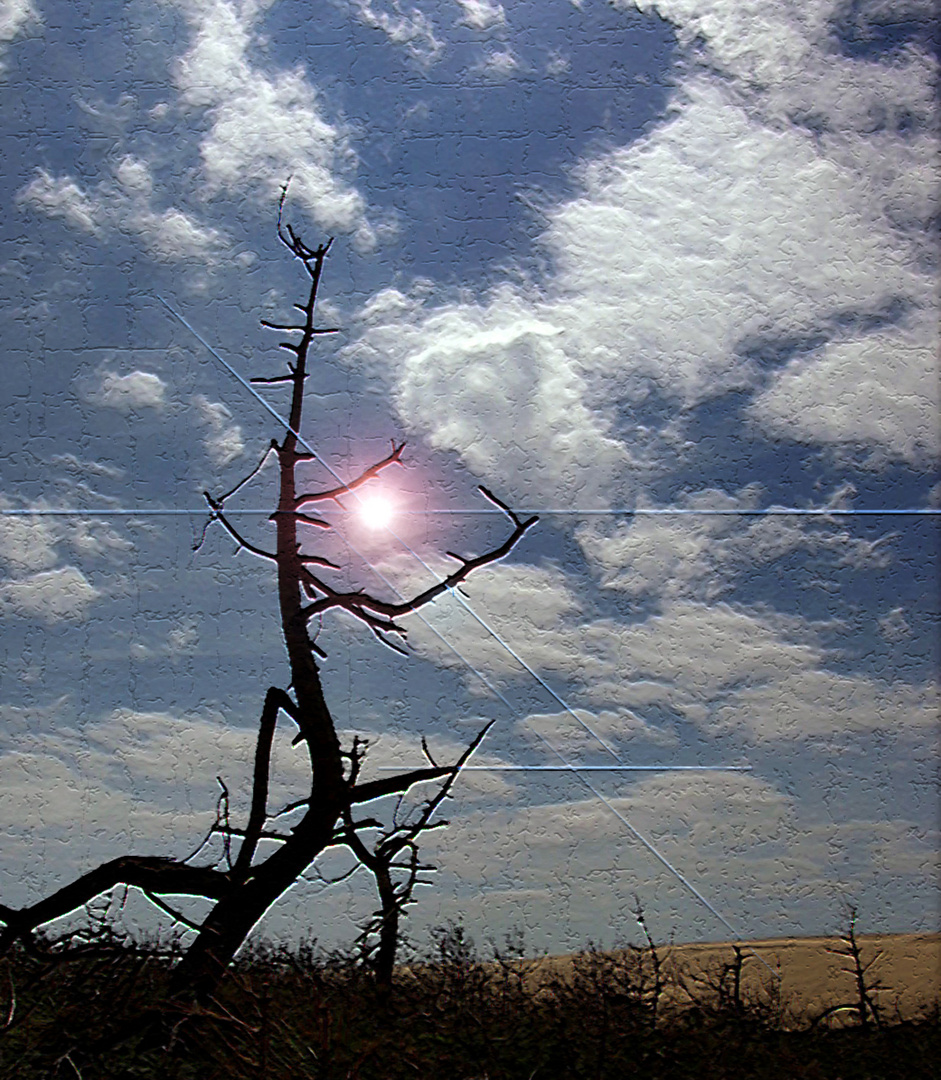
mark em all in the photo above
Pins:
pixel 264 457
pixel 358 602
pixel 217 513
pixel 275 700
pixel 147 873
pixel 367 474
pixel 377 789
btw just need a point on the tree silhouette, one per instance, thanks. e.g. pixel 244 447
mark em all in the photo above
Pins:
pixel 242 888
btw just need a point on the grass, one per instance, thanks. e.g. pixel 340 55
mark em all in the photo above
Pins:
pixel 73 1011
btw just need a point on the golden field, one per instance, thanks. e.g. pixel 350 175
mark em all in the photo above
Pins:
pixel 811 974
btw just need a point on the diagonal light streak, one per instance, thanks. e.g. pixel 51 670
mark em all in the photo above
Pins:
pixel 680 877
pixel 584 780
pixel 454 592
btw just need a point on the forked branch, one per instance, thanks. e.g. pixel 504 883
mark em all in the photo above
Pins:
pixel 361 603
pixel 151 874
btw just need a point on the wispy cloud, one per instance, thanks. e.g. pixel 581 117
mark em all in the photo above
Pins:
pixel 223 440
pixel 411 30
pixel 265 126
pixel 124 203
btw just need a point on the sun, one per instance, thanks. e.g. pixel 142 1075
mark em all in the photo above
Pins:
pixel 375 511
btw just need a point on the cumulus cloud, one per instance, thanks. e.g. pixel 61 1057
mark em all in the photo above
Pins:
pixel 499 64
pixel 820 703
pixel 732 669
pixel 880 393
pixel 893 626
pixel 15 17
pixel 223 440
pixel 134 779
pixel 26 543
pixel 264 127
pixel 62 197
pixel 49 595
pixel 743 224
pixel 690 654
pixel 529 607
pixel 724 667
pixel 123 203
pixel 127 393
pixel 703 824
pixel 38 587
pixel 496 383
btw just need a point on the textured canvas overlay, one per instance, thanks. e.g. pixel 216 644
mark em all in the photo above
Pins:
pixel 661 275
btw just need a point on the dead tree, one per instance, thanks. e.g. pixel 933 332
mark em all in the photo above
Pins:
pixel 379 938
pixel 242 888
pixel 866 1006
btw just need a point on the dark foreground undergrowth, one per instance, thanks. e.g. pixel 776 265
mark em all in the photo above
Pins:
pixel 76 1013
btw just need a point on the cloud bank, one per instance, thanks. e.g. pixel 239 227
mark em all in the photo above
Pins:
pixel 779 210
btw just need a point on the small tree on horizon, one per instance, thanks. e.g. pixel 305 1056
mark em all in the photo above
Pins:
pixel 247 885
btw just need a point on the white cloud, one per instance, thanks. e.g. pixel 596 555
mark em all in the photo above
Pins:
pixel 880 393
pixel 39 588
pixel 494 382
pixel 123 204
pixel 734 237
pixel 498 64
pixel 739 220
pixel 61 197
pixel 127 393
pixel 734 670
pixel 183 638
pixel 50 595
pixel 482 14
pixel 26 543
pixel 691 654
pixel 723 667
pixel 529 607
pixel 413 30
pixel 90 537
pixel 16 16
pixel 753 852
pixel 893 626
pixel 265 128
pixel 131 780
pixel 799 705
pixel 224 439
pixel 700 555
pixel 557 64
pixel 579 737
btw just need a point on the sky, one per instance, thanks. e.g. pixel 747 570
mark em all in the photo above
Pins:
pixel 658 271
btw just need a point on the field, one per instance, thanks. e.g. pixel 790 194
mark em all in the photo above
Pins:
pixel 683 1011
pixel 812 973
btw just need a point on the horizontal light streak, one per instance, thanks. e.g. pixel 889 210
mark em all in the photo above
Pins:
pixel 775 511
pixel 593 768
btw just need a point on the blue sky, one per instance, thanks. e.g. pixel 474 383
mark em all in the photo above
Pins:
pixel 675 257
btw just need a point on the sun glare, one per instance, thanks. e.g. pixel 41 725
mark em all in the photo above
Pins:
pixel 375 511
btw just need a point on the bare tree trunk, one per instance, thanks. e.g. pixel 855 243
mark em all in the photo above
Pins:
pixel 247 888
